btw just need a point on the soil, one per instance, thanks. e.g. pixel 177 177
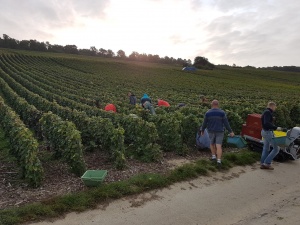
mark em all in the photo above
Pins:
pixel 58 180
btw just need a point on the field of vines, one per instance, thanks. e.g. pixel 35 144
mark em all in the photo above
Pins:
pixel 57 100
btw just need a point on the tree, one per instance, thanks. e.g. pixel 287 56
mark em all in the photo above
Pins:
pixel 93 50
pixel 121 54
pixel 24 44
pixel 110 53
pixel 102 52
pixel 134 56
pixel 153 58
pixel 203 63
pixel 56 48
pixel 34 45
pixel 143 57
pixel 85 52
pixel 8 42
pixel 71 49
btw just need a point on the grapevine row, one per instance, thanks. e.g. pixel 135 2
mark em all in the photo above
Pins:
pixel 23 145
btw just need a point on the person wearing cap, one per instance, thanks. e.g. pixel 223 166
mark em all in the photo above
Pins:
pixel 215 120
pixel 147 104
pixel 163 103
pixel 267 133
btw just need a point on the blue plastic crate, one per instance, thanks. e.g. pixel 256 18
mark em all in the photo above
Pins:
pixel 237 141
pixel 280 140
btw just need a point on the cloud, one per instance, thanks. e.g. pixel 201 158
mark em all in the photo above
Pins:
pixel 256 32
pixel 90 8
pixel 37 18
pixel 263 37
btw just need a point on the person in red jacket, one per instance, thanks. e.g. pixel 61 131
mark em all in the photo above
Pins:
pixel 163 103
pixel 110 108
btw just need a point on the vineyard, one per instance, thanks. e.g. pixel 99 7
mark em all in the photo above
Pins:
pixel 56 101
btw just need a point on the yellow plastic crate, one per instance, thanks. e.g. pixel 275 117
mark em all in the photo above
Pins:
pixel 279 133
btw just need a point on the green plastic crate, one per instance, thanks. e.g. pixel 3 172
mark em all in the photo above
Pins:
pixel 93 178
pixel 237 141
pixel 280 140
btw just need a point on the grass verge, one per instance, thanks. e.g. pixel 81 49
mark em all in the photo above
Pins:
pixel 90 198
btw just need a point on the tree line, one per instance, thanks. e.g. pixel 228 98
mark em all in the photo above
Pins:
pixel 199 62
pixel 34 45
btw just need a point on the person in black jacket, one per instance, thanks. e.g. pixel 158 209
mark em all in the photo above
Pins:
pixel 267 133
pixel 132 98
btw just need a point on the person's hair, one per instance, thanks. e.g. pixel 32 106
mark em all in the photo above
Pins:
pixel 215 103
pixel 271 104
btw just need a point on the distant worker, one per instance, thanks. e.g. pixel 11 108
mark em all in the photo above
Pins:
pixel 203 99
pixel 110 108
pixel 132 98
pixel 215 120
pixel 180 105
pixel 267 133
pixel 97 103
pixel 163 103
pixel 146 103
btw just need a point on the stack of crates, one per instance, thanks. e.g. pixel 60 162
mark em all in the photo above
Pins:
pixel 253 126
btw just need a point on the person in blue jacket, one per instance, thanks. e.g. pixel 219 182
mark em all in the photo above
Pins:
pixel 215 121
pixel 147 104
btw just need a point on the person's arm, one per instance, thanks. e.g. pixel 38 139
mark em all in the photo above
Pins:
pixel 268 122
pixel 204 124
pixel 226 124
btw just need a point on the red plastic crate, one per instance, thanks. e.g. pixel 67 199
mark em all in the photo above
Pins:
pixel 251 131
pixel 254 120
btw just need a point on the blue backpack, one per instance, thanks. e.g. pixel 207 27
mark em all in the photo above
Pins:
pixel 202 141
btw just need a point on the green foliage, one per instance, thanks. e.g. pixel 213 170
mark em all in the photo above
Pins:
pixel 295 114
pixel 65 140
pixel 235 121
pixel 23 145
pixel 28 113
pixel 96 132
pixel 169 133
pixel 282 117
pixel 190 126
pixel 141 137
pixel 203 63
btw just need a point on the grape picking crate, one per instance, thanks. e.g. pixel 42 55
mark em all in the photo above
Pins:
pixel 251 131
pixel 280 140
pixel 254 120
pixel 237 141
pixel 93 178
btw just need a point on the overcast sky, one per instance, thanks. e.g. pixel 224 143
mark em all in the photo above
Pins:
pixel 244 32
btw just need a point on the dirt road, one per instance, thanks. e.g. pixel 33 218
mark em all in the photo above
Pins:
pixel 241 196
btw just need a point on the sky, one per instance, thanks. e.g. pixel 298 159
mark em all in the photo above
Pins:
pixel 242 32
